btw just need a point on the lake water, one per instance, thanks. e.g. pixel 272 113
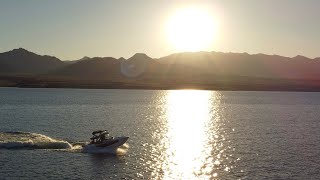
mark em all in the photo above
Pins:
pixel 179 134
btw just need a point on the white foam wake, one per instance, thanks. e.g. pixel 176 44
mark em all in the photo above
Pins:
pixel 24 140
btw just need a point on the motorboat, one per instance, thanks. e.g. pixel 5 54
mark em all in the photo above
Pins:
pixel 102 139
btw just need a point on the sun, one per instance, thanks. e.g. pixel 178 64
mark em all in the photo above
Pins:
pixel 191 29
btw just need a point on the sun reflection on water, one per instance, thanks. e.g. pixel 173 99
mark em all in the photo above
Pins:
pixel 187 153
pixel 188 111
pixel 195 137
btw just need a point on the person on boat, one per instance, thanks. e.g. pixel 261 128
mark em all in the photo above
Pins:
pixel 102 137
pixel 94 139
pixel 99 136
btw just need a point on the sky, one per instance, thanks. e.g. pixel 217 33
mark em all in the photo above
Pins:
pixel 72 29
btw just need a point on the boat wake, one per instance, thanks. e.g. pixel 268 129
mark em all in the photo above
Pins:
pixel 32 141
pixel 25 140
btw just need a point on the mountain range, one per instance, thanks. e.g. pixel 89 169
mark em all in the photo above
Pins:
pixel 204 70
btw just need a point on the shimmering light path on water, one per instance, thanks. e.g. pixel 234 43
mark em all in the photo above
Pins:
pixel 193 140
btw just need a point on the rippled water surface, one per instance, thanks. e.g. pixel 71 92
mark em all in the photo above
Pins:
pixel 179 134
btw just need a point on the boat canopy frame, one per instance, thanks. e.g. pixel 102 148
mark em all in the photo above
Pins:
pixel 99 132
pixel 99 136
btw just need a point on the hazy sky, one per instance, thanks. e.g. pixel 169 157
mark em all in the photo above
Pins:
pixel 71 29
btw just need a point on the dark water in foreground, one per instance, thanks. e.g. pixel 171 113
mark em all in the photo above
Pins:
pixel 173 134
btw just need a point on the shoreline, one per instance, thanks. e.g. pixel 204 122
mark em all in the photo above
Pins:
pixel 179 87
pixel 226 83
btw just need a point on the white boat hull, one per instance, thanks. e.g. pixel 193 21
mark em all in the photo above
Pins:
pixel 110 144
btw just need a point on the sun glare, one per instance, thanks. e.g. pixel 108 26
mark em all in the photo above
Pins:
pixel 188 114
pixel 191 29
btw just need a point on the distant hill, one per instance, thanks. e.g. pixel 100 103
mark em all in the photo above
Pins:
pixel 243 64
pixel 92 68
pixel 138 65
pixel 22 61
pixel 75 61
pixel 103 68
